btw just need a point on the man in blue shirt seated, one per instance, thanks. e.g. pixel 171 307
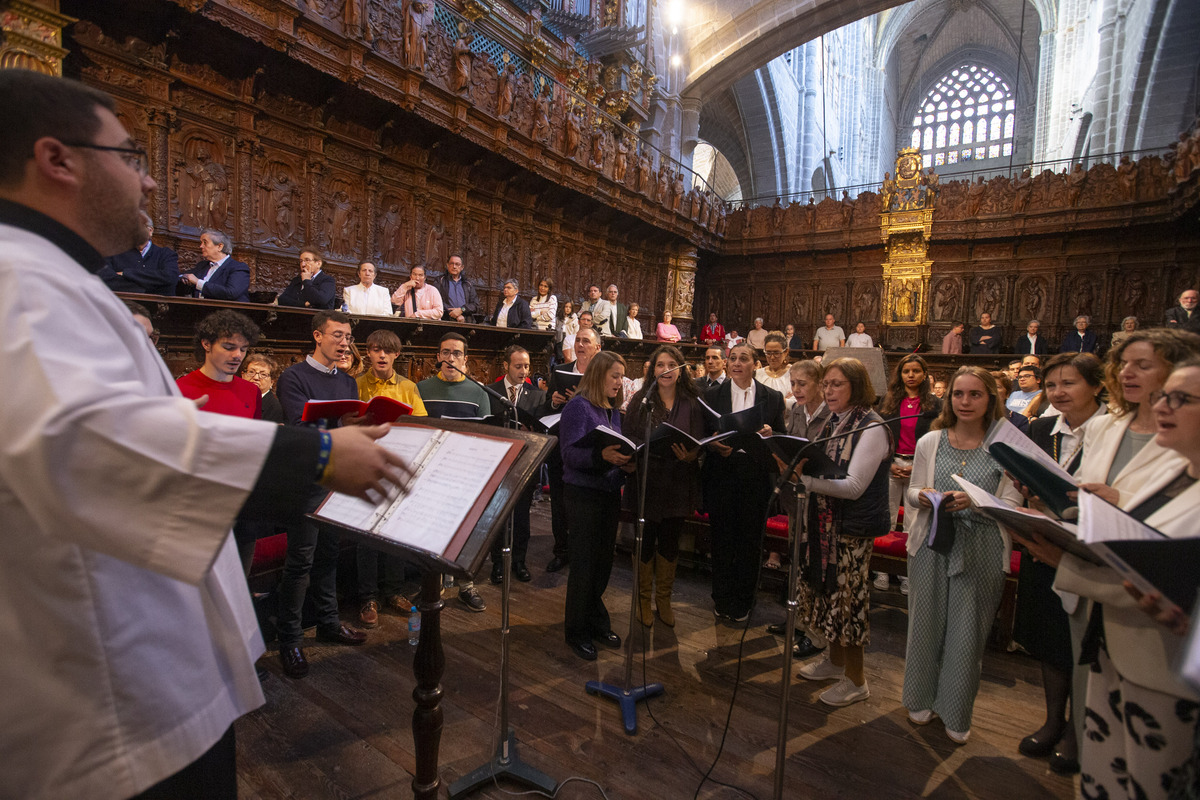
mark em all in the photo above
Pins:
pixel 460 303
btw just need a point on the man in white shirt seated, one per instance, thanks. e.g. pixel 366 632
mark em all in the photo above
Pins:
pixel 830 336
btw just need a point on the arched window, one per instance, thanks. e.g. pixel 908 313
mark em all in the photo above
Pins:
pixel 981 102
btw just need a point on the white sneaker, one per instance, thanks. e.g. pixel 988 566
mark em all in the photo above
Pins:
pixel 845 693
pixel 904 586
pixel 958 737
pixel 823 670
pixel 921 717
pixel 882 581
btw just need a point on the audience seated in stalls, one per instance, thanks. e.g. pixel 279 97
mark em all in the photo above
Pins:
pixel 515 385
pixel 633 328
pixel 952 342
pixel 310 565
pixel 147 269
pixel 732 339
pixel 673 481
pixel 1128 326
pixel 789 338
pixel 666 330
pixel 222 340
pixel 1049 626
pixel 312 288
pixel 860 337
pixel 1186 315
pixel 415 298
pixel 380 573
pixel 736 488
pixel 367 297
pixel 261 370
pixel 830 335
pixel 909 397
pixel 217 276
pixel 834 589
pixel 450 383
pixel 543 306
pixel 592 302
pixel 1030 342
pixel 1081 340
pixel 569 326
pixel 1003 387
pixel 953 594
pixel 593 494
pixel 712 331
pixel 610 316
pixel 985 337
pixel 512 311
pixel 939 388
pixel 1023 401
pixel 1014 367
pixel 757 336
pixel 460 301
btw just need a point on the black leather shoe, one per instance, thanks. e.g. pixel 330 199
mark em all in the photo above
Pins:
pixel 585 650
pixel 557 563
pixel 295 665
pixel 470 598
pixel 521 572
pixel 342 634
pixel 804 647
pixel 780 628
pixel 609 639
pixel 1063 765
pixel 497 573
pixel 1034 747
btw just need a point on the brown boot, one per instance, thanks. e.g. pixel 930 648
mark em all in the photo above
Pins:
pixel 664 579
pixel 645 589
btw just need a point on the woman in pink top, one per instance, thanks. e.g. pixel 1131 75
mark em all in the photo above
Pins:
pixel 666 332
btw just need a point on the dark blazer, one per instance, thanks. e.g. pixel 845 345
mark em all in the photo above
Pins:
pixel 470 308
pixel 978 347
pixel 531 399
pixel 231 281
pixel 1040 433
pixel 554 385
pixel 923 422
pixel 724 475
pixel 320 291
pixel 1177 317
pixel 272 409
pixel 706 383
pixel 1022 346
pixel 1073 343
pixel 156 273
pixel 1019 420
pixel 518 315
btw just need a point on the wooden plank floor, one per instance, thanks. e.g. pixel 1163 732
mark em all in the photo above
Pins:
pixel 344 731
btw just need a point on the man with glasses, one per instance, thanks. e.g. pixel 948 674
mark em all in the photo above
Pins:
pixel 459 298
pixel 312 288
pixel 450 383
pixel 216 275
pixel 117 496
pixel 310 563
pixel 146 269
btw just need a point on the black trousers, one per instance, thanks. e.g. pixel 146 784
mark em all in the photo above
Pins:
pixel 212 776
pixel 735 517
pixel 594 516
pixel 371 563
pixel 661 537
pixel 520 529
pixel 558 503
pixel 312 553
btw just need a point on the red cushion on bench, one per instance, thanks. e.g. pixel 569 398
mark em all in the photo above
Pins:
pixel 777 526
pixel 1014 563
pixel 894 544
pixel 269 552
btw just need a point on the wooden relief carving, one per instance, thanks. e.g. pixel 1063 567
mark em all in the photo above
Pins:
pixel 278 211
pixel 1031 300
pixel 946 303
pixel 1081 297
pixel 416 17
pixel 393 242
pixel 202 184
pixel 989 298
pixel 831 303
pixel 866 302
pixel 437 246
pixel 341 234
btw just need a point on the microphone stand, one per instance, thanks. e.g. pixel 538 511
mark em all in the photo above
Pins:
pixel 796 526
pixel 506 762
pixel 627 696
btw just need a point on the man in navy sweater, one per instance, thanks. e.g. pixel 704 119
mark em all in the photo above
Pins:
pixel 146 269
pixel 312 551
pixel 312 288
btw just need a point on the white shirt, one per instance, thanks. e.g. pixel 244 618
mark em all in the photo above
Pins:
pixel 633 328
pixel 741 398
pixel 373 299
pixel 213 267
pixel 859 340
pixel 502 315
pixel 1072 439
pixel 129 637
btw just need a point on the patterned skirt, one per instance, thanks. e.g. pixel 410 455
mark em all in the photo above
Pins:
pixel 842 615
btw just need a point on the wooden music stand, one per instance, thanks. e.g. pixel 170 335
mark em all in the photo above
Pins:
pixel 430 661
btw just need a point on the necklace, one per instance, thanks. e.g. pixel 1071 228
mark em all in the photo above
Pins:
pixel 964 451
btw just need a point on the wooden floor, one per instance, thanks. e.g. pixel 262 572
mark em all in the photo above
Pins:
pixel 344 731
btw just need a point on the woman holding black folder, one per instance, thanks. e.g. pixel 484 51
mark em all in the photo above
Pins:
pixel 1141 715
pixel 592 490
pixel 954 590
pixel 673 482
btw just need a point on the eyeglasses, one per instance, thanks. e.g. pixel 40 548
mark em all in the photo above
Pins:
pixel 256 374
pixel 339 336
pixel 135 157
pixel 452 353
pixel 773 352
pixel 834 384
pixel 1175 400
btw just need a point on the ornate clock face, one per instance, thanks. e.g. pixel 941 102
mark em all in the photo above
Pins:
pixel 906 166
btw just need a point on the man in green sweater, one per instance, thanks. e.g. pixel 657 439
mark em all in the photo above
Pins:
pixel 450 383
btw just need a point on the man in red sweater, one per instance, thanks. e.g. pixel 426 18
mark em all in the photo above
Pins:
pixel 222 340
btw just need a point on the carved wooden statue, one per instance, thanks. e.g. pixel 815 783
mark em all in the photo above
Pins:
pixel 460 77
pixel 414 33
pixel 504 91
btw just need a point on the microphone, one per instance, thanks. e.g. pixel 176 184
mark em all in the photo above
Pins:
pixel 654 380
pixel 496 394
pixel 800 453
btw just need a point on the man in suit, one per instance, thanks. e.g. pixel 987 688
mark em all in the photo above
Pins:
pixel 1082 340
pixel 460 302
pixel 216 276
pixel 1185 315
pixel 515 386
pixel 1030 343
pixel 737 487
pixel 511 310
pixel 714 367
pixel 587 345
pixel 312 288
pixel 148 269
pixel 615 320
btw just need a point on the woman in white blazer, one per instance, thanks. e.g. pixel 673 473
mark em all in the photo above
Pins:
pixel 1140 715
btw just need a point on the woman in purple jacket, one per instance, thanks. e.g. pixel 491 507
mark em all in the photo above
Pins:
pixel 592 491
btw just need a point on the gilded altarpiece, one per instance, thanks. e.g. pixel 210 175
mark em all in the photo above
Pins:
pixel 906 223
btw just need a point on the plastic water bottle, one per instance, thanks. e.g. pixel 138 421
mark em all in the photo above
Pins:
pixel 345 307
pixel 414 626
